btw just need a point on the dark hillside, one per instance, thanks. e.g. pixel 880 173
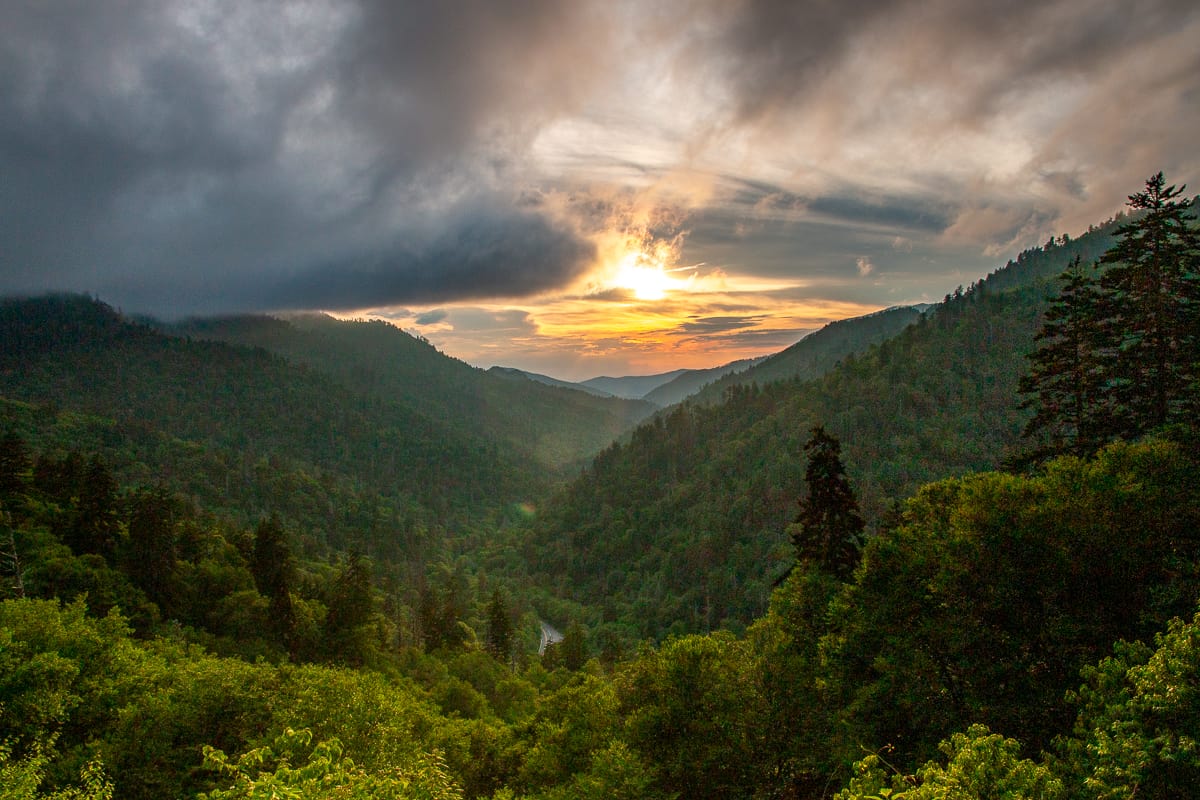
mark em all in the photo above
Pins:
pixel 264 435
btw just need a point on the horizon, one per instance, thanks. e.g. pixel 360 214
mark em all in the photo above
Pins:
pixel 594 188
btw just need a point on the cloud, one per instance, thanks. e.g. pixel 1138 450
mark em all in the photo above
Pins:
pixel 865 267
pixel 719 325
pixel 482 253
pixel 188 156
pixel 431 317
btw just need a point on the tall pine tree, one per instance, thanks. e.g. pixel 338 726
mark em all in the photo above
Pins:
pixel 1118 356
pixel 1151 292
pixel 828 532
pixel 1065 385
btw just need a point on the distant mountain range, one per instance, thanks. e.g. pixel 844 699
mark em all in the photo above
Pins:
pixel 811 357
pixel 663 389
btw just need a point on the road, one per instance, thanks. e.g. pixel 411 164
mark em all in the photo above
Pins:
pixel 549 636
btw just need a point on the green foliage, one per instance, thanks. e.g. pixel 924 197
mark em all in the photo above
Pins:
pixel 348 637
pixel 691 710
pixel 980 765
pixel 1117 358
pixel 325 773
pixel 797 723
pixel 21 779
pixel 1152 311
pixel 1066 381
pixel 524 421
pixel 996 589
pixel 499 635
pixel 571 728
pixel 1138 731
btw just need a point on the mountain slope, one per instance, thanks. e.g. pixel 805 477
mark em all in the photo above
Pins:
pixel 513 372
pixel 555 428
pixel 632 386
pixel 693 380
pixel 683 528
pixel 818 352
pixel 245 432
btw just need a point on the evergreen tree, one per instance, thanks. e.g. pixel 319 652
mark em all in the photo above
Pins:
pixel 273 570
pixel 95 525
pixel 499 637
pixel 1152 304
pixel 14 466
pixel 828 531
pixel 572 651
pixel 350 607
pixel 1066 380
pixel 151 555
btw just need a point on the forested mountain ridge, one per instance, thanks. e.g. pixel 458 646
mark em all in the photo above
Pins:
pixel 242 430
pixel 683 528
pixel 818 352
pixel 692 381
pixel 556 428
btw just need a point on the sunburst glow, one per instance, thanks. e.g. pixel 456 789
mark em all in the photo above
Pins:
pixel 645 276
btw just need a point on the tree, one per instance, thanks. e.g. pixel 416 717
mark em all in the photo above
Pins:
pixel 351 606
pixel 1151 293
pixel 693 710
pixel 322 771
pixel 274 575
pixel 1066 379
pixel 14 466
pixel 1139 719
pixel 828 531
pixel 151 552
pixel 94 527
pixel 980 764
pixel 499 637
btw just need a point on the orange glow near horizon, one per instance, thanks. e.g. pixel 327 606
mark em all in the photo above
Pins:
pixel 636 312
pixel 644 328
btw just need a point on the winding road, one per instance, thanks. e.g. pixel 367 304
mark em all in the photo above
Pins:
pixel 549 637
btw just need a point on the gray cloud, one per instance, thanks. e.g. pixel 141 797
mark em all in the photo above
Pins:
pixel 706 326
pixel 774 54
pixel 486 254
pixel 765 340
pixel 176 156
pixel 431 317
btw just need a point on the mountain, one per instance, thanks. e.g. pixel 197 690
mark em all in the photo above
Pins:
pixel 245 433
pixel 693 380
pixel 632 386
pixel 683 528
pixel 555 428
pixel 512 372
pixel 818 352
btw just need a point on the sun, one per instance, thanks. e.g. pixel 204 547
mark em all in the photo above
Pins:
pixel 644 276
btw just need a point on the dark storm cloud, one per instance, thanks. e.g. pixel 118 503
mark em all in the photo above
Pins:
pixel 183 156
pixel 487 255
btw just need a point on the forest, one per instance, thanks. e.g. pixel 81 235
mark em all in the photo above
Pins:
pixel 949 553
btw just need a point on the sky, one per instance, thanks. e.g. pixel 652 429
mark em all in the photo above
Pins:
pixel 574 188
